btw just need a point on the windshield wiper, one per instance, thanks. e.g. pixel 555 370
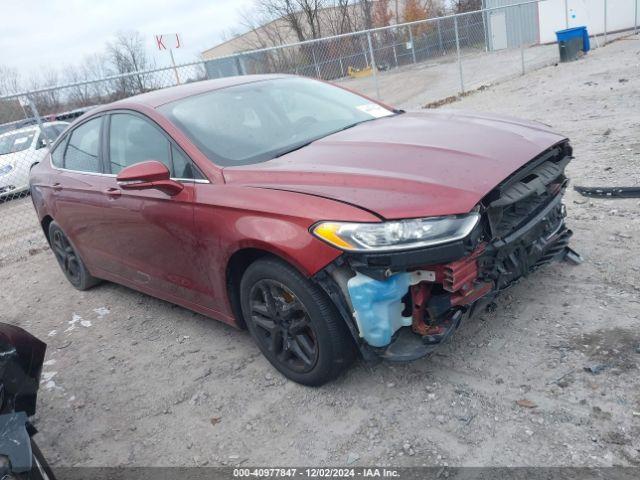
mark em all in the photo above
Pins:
pixel 295 147
pixel 298 146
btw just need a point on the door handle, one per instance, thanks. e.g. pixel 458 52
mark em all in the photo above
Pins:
pixel 57 187
pixel 112 192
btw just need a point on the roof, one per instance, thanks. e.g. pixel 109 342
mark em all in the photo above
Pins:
pixel 166 95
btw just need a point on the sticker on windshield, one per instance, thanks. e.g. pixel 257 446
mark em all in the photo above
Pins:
pixel 21 140
pixel 374 110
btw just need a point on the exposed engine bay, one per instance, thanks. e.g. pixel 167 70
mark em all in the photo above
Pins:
pixel 404 304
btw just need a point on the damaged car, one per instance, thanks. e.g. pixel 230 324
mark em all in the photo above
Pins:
pixel 328 224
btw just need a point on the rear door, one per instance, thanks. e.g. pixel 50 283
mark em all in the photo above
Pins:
pixel 76 186
pixel 151 234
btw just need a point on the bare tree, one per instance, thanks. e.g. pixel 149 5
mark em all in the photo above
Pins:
pixel 367 13
pixel 9 80
pixel 48 101
pixel 127 54
pixel 96 67
pixel 340 17
pixel 463 6
pixel 91 69
pixel 381 14
pixel 79 94
pixel 302 17
pixel 262 30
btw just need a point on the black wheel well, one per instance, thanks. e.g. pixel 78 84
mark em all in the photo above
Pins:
pixel 46 221
pixel 237 265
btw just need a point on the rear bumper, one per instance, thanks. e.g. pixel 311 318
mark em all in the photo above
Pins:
pixel 405 315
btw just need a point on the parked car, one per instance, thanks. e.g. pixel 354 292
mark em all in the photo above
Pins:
pixel 325 222
pixel 21 359
pixel 7 127
pixel 20 150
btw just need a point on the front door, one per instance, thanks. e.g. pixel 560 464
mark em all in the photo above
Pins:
pixel 151 234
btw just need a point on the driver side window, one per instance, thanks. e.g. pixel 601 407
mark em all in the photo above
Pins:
pixel 133 140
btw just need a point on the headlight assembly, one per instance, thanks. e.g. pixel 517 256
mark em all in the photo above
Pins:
pixel 395 235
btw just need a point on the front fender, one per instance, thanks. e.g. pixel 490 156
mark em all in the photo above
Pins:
pixel 230 218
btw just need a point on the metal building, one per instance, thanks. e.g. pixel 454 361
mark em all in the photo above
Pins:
pixel 508 27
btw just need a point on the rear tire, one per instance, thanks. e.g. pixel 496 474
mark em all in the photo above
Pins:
pixel 294 323
pixel 69 260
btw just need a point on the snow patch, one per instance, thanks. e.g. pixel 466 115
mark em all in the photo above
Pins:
pixel 72 323
pixel 101 311
pixel 47 376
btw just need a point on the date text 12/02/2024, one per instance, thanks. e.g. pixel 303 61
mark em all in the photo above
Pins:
pixel 370 472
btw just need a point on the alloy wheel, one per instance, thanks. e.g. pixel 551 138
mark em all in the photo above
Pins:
pixel 66 257
pixel 283 325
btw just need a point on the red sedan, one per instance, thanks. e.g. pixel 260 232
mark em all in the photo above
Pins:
pixel 325 222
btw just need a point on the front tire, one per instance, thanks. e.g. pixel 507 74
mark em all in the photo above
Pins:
pixel 69 260
pixel 295 325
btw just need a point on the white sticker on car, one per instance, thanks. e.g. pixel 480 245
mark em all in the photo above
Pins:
pixel 374 110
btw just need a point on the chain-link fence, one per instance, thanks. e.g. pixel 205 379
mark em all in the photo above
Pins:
pixel 408 65
pixel 31 121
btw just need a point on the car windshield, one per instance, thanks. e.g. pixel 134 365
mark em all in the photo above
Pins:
pixel 16 142
pixel 259 121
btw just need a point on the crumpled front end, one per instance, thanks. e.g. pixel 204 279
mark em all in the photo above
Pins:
pixel 402 305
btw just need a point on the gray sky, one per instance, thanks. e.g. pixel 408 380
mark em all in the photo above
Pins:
pixel 60 32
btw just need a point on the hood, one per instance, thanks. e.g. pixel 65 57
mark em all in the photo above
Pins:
pixel 409 165
pixel 8 158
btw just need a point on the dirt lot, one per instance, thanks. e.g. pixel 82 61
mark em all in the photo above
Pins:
pixel 131 380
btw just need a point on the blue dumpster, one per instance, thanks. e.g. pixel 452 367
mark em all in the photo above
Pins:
pixel 571 42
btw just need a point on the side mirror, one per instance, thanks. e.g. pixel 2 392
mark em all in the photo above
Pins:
pixel 147 175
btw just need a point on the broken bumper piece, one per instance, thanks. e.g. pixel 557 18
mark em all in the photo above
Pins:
pixel 401 305
pixel 405 315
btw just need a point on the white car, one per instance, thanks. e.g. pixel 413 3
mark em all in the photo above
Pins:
pixel 20 150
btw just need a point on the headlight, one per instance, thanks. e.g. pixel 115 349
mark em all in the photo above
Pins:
pixel 395 235
pixel 5 169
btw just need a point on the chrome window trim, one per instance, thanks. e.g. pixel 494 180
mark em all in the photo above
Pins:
pixel 181 180
pixel 172 142
pixel 63 137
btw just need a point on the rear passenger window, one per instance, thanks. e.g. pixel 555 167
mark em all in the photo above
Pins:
pixel 84 145
pixel 133 140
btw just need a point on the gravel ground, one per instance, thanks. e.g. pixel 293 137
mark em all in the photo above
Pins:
pixel 414 85
pixel 131 380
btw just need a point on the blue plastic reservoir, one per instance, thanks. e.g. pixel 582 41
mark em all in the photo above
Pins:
pixel 378 306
